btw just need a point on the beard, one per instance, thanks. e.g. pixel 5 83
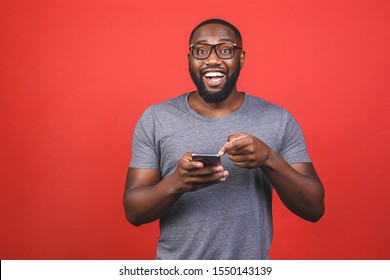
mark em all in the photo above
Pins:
pixel 219 96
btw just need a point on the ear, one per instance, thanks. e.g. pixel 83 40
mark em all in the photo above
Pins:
pixel 242 59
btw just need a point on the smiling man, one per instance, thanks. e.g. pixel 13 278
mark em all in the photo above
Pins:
pixel 222 211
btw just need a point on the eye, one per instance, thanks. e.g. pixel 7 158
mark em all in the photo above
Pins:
pixel 200 51
pixel 226 49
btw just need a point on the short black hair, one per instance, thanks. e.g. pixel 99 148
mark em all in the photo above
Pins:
pixel 218 21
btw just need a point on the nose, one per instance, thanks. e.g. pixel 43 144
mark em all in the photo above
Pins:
pixel 213 59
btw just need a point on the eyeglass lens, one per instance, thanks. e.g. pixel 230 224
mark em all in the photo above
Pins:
pixel 203 51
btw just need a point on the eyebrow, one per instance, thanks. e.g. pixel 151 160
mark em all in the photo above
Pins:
pixel 220 40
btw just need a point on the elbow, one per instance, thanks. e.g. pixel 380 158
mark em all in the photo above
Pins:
pixel 131 215
pixel 316 215
pixel 318 209
pixel 133 218
pixel 315 219
pixel 134 221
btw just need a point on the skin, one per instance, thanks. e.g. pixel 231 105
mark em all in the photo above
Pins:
pixel 148 197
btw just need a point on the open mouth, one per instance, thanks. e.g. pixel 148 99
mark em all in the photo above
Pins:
pixel 214 78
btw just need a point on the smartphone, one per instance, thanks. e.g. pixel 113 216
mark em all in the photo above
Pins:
pixel 207 159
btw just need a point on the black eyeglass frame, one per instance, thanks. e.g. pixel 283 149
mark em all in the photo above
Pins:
pixel 213 47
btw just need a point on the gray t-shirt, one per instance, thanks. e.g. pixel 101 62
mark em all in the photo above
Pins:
pixel 230 220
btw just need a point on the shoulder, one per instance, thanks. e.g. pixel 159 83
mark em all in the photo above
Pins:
pixel 165 108
pixel 176 103
pixel 270 114
pixel 264 107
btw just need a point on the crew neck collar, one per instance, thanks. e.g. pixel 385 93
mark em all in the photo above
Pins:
pixel 213 119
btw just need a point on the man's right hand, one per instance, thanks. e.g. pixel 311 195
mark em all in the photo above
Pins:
pixel 147 197
pixel 192 175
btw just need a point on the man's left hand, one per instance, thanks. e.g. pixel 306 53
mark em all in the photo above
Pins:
pixel 246 151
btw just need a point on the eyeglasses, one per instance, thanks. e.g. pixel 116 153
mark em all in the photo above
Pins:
pixel 223 50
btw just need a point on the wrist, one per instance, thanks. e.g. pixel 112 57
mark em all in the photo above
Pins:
pixel 175 185
pixel 271 160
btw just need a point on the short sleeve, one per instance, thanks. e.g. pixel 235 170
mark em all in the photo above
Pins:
pixel 144 150
pixel 293 147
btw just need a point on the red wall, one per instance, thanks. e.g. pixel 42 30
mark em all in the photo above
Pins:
pixel 76 75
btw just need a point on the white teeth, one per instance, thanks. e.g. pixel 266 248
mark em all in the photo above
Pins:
pixel 213 74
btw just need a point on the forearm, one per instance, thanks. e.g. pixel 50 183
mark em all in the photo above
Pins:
pixel 148 198
pixel 301 193
pixel 144 204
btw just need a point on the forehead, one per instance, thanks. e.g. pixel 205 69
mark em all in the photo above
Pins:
pixel 213 33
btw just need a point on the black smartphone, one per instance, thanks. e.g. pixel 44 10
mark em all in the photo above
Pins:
pixel 207 159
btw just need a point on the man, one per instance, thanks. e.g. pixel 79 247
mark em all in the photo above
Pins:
pixel 218 212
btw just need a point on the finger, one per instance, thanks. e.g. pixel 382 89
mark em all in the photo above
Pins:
pixel 191 165
pixel 225 174
pixel 206 171
pixel 241 164
pixel 203 181
pixel 237 136
pixel 202 184
pixel 238 158
pixel 187 163
pixel 246 150
pixel 223 149
pixel 231 139
pixel 238 144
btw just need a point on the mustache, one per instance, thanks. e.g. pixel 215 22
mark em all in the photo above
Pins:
pixel 215 97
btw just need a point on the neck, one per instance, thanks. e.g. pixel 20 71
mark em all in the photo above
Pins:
pixel 215 110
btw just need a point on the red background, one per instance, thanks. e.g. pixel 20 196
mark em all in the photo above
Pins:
pixel 76 75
